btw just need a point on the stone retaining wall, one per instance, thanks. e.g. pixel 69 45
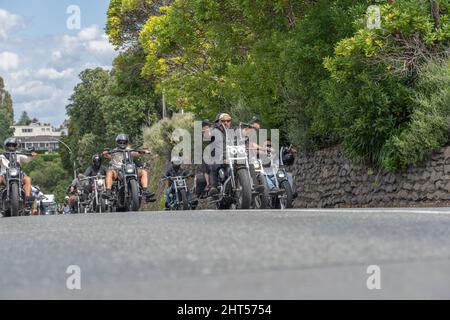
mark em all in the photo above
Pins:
pixel 328 179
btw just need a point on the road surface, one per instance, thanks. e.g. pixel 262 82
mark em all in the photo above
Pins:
pixel 297 254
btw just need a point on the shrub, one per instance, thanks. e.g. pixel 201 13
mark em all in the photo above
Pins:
pixel 371 95
pixel 430 120
pixel 158 138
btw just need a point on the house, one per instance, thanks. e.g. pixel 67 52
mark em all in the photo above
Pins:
pixel 41 137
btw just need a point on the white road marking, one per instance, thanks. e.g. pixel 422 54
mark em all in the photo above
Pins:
pixel 381 210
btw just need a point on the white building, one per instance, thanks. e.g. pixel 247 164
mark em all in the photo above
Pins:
pixel 41 137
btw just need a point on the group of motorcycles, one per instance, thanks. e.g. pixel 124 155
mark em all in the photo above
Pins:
pixel 242 185
pixel 126 194
pixel 243 182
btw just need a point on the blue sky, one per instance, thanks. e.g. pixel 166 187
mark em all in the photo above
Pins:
pixel 40 57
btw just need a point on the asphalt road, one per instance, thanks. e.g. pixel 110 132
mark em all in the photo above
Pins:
pixel 298 254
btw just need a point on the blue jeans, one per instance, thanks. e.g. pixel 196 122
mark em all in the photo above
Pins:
pixel 271 181
pixel 169 191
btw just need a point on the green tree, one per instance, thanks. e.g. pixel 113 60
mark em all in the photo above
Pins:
pixel 24 119
pixel 6 112
pixel 374 75
pixel 105 104
pixel 47 172
pixel 262 57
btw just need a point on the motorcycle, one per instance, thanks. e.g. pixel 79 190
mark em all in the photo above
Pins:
pixel 283 197
pixel 126 192
pixel 95 202
pixel 235 182
pixel 259 190
pixel 179 199
pixel 48 206
pixel 261 200
pixel 12 196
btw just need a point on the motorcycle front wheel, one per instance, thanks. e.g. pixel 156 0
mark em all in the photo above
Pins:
pixel 243 195
pixel 15 200
pixel 134 195
pixel 286 202
pixel 184 199
pixel 261 200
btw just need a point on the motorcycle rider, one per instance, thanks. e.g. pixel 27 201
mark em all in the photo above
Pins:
pixel 223 122
pixel 143 177
pixel 116 161
pixel 270 174
pixel 248 131
pixel 175 170
pixel 38 206
pixel 253 148
pixel 11 145
pixel 96 167
pixel 206 168
pixel 72 192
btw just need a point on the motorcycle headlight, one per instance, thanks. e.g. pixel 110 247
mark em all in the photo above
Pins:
pixel 180 182
pixel 233 151
pixel 241 150
pixel 14 172
pixel 100 183
pixel 129 169
pixel 281 174
pixel 256 165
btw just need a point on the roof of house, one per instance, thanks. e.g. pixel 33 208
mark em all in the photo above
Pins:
pixel 38 139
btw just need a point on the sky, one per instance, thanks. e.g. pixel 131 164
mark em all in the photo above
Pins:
pixel 44 45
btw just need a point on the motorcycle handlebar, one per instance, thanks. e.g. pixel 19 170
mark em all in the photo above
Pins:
pixel 141 151
pixel 191 175
pixel 92 177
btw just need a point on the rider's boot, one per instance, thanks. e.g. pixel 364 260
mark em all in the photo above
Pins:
pixel 148 195
pixel 29 204
pixel 194 204
pixel 213 191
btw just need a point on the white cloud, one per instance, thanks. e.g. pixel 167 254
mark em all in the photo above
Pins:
pixel 42 80
pixel 33 90
pixel 101 46
pixel 8 61
pixel 53 74
pixel 90 42
pixel 89 33
pixel 49 109
pixel 9 22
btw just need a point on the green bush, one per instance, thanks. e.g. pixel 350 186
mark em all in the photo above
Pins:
pixel 430 120
pixel 158 138
pixel 47 172
pixel 371 97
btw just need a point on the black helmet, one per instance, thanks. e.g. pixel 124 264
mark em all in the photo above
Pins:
pixel 216 119
pixel 96 160
pixel 288 158
pixel 11 144
pixel 122 141
pixel 205 123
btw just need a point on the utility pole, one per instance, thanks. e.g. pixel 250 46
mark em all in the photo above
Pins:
pixel 435 12
pixel 71 155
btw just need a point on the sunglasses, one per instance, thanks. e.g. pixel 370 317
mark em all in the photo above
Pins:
pixel 226 121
